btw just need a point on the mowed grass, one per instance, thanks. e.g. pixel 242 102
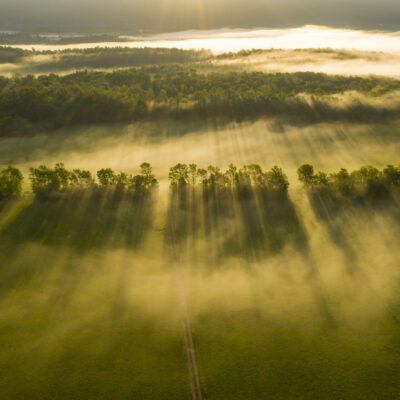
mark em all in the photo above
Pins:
pixel 286 300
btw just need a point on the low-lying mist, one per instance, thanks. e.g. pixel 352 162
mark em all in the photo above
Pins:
pixel 328 61
pixel 326 304
pixel 328 146
pixel 224 40
pixel 284 298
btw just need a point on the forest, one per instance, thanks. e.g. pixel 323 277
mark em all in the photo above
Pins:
pixel 30 104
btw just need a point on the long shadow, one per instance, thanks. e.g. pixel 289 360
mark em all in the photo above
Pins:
pixel 270 223
pixel 3 204
pixel 333 212
pixel 243 223
pixel 83 221
pixel 250 225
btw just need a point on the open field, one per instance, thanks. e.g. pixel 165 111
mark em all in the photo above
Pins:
pixel 285 300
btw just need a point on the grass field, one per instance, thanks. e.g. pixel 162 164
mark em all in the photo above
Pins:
pixel 286 301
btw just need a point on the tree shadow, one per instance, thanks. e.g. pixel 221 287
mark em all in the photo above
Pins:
pixel 270 222
pixel 251 225
pixel 247 224
pixel 336 213
pixel 84 220
pixel 3 204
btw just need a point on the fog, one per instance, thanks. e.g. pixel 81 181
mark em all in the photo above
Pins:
pixel 233 40
pixel 328 61
pixel 90 292
pixel 332 51
pixel 327 303
pixel 267 142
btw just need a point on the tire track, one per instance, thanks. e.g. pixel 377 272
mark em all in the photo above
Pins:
pixel 187 331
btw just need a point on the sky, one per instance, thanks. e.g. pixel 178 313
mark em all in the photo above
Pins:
pixel 170 15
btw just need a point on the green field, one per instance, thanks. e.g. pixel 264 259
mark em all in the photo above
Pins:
pixel 286 301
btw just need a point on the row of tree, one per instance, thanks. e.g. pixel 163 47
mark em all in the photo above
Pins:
pixel 365 182
pixel 244 180
pixel 48 181
pixel 29 104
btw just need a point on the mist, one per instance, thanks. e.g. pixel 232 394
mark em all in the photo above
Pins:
pixel 233 40
pixel 322 286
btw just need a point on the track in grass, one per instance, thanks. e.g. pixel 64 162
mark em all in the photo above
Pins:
pixel 187 331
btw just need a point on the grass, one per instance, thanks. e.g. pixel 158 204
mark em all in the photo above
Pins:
pixel 287 300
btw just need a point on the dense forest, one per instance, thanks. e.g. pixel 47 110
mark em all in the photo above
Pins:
pixel 29 104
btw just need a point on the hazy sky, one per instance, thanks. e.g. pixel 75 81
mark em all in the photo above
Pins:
pixel 164 15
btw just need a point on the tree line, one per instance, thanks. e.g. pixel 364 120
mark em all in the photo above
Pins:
pixel 29 104
pixel 100 57
pixel 47 181
pixel 365 182
pixel 244 181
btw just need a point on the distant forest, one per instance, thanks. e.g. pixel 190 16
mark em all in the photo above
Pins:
pixel 30 104
pixel 99 57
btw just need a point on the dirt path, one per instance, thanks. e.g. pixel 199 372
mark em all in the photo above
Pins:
pixel 187 331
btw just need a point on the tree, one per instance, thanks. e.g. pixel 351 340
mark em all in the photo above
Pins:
pixel 192 174
pixel 106 177
pixel 10 182
pixel 232 175
pixel 146 180
pixel 306 174
pixel 149 178
pixel 82 179
pixel 391 175
pixel 44 180
pixel 343 182
pixel 178 175
pixel 277 180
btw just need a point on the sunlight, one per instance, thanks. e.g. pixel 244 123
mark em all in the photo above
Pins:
pixel 231 40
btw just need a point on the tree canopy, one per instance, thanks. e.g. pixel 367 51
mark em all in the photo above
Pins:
pixel 48 181
pixel 366 182
pixel 11 179
pixel 30 104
